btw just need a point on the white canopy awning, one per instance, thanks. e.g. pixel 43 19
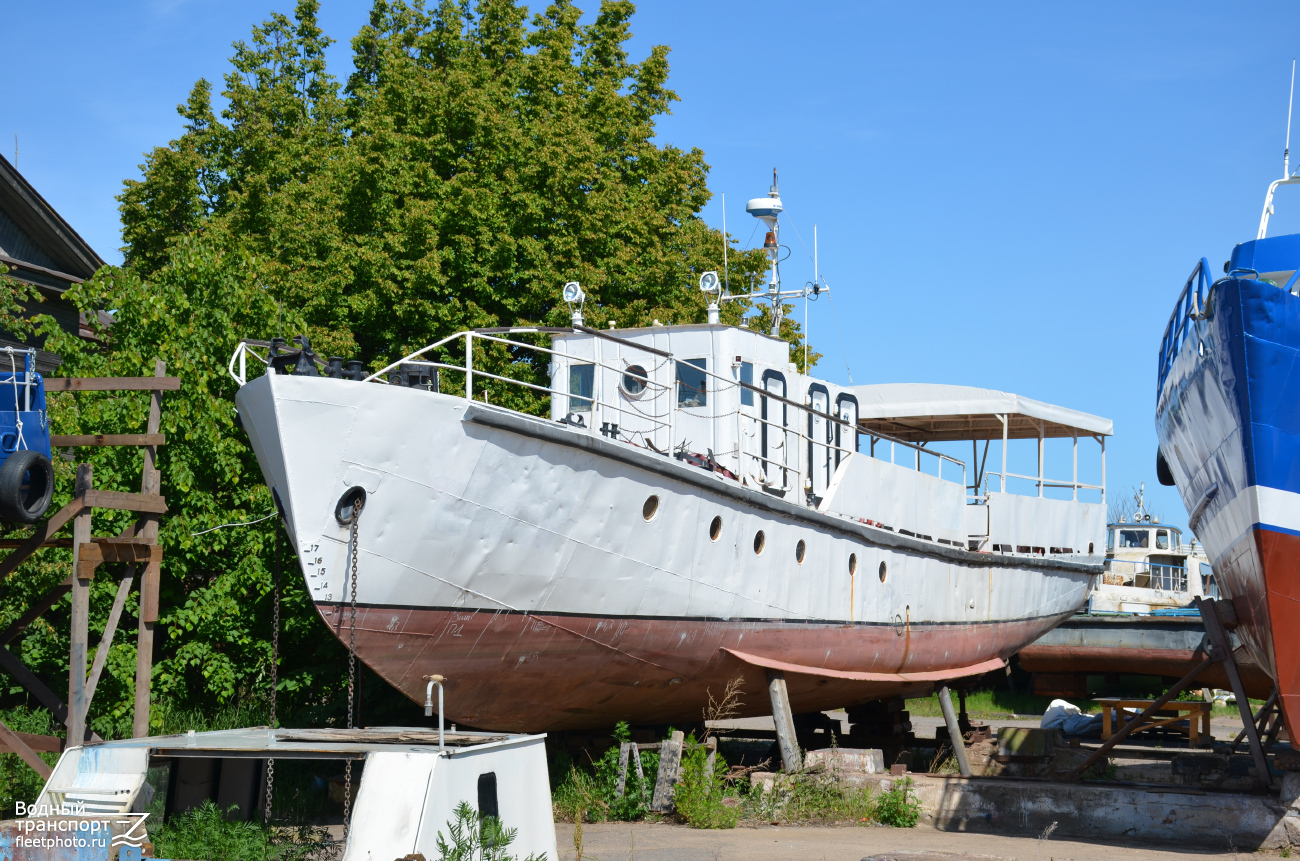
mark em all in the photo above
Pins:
pixel 925 412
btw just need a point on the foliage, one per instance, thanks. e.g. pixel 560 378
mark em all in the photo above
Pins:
pixel 810 798
pixel 18 782
pixel 205 832
pixel 476 159
pixel 702 790
pixel 593 795
pixel 898 806
pixel 475 838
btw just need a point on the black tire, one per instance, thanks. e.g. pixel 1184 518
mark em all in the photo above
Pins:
pixel 26 486
pixel 1163 473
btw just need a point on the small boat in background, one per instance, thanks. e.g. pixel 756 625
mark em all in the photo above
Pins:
pixel 1148 568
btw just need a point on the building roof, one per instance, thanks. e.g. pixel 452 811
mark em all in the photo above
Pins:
pixel 931 412
pixel 36 241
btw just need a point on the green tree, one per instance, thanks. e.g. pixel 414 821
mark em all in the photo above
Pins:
pixel 476 159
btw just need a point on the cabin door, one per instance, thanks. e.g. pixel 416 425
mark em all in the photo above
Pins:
pixel 821 463
pixel 774 418
pixel 846 434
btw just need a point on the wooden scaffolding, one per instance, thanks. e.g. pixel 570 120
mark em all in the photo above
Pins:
pixel 137 546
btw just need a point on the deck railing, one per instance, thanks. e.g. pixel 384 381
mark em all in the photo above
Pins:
pixel 1189 307
pixel 771 471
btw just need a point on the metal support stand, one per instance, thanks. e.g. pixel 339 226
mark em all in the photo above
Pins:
pixel 1218 617
pixel 791 759
pixel 954 731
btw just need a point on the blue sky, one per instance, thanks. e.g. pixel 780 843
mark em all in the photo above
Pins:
pixel 1008 195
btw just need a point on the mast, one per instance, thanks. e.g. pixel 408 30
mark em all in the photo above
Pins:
pixel 1287 178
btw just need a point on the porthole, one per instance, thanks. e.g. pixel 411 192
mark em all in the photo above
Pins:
pixel 760 541
pixel 853 564
pixel 651 508
pixel 1089 548
pixel 882 572
pixel 799 550
pixel 715 528
pixel 634 381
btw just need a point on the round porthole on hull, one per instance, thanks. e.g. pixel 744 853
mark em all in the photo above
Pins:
pixel 882 572
pixel 799 550
pixel 651 508
pixel 715 528
pixel 760 541
pixel 853 564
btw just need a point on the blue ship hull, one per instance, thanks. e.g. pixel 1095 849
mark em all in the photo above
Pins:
pixel 1228 422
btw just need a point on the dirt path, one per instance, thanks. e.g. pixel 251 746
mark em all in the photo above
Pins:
pixel 660 842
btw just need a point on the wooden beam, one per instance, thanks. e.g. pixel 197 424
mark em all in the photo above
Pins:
pixel 38 743
pixel 35 686
pixel 73 440
pixel 112 384
pixel 110 628
pixel 783 717
pixel 48 600
pixel 150 483
pixel 18 746
pixel 151 503
pixel 107 550
pixel 41 535
pixel 79 643
pixel 14 543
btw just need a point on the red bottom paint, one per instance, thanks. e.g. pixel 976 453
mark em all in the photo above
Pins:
pixel 535 673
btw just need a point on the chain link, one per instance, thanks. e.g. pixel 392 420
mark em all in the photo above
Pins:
pixel 352 668
pixel 275 662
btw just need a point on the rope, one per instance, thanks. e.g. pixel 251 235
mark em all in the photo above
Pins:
pixel 245 523
pixel 352 669
pixel 275 661
pixel 18 409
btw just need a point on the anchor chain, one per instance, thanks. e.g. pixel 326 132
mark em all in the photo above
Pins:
pixel 275 663
pixel 352 668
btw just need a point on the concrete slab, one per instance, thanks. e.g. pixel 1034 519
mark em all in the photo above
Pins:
pixel 664 842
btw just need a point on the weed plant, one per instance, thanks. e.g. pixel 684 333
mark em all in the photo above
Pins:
pixel 898 806
pixel 205 832
pixel 474 838
pixel 702 795
pixel 591 794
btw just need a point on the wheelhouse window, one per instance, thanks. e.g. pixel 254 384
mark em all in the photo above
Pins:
pixel 747 377
pixel 692 390
pixel 581 381
pixel 1162 539
pixel 1134 538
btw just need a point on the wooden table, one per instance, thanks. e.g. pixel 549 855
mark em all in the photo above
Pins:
pixel 1189 709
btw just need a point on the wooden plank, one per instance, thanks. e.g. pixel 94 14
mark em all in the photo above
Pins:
pixel 14 543
pixel 107 550
pixel 110 628
pixel 48 600
pixel 79 644
pixel 41 535
pixel 150 503
pixel 670 770
pixel 150 483
pixel 72 440
pixel 38 743
pixel 112 384
pixel 620 786
pixel 15 743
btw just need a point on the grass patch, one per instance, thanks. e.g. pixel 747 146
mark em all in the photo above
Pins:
pixel 204 832
pixel 18 781
pixel 992 704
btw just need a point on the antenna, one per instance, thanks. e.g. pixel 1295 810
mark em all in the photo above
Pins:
pixel 1287 178
pixel 726 269
pixel 1286 153
pixel 805 300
